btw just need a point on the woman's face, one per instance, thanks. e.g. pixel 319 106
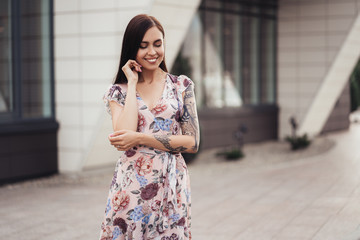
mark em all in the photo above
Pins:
pixel 151 50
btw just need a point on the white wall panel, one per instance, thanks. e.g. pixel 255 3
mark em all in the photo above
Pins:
pixel 100 69
pixel 98 22
pixel 310 35
pixel 69 137
pixel 70 115
pixel 67 70
pixel 99 46
pixel 66 6
pixel 66 47
pixel 69 93
pixel 67 23
pixel 88 5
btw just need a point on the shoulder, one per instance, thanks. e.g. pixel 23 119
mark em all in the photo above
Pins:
pixel 182 81
pixel 116 89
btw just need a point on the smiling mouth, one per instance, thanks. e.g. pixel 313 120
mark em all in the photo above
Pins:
pixel 151 60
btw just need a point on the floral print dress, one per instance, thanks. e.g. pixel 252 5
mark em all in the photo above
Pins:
pixel 149 196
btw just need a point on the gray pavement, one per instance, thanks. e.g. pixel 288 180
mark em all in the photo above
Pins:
pixel 271 194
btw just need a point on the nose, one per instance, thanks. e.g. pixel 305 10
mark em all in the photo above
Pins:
pixel 151 50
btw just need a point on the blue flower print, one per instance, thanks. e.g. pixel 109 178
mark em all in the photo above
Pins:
pixel 146 218
pixel 175 217
pixel 162 124
pixel 108 207
pixel 187 193
pixel 137 214
pixel 116 232
pixel 142 180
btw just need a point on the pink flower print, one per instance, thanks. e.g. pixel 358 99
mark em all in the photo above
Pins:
pixel 121 223
pixel 106 233
pixel 120 201
pixel 130 153
pixel 173 78
pixel 177 116
pixel 150 191
pixel 186 82
pixel 127 180
pixel 155 206
pixel 175 128
pixel 168 208
pixel 181 222
pixel 146 209
pixel 143 165
pixel 178 200
pixel 161 107
pixel 180 164
pixel 141 122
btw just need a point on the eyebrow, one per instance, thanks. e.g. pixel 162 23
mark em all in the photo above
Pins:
pixel 148 42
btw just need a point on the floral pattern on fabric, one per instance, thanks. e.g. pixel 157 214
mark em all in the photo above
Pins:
pixel 149 196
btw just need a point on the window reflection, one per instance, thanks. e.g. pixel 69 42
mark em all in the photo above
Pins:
pixel 35 59
pixel 5 58
pixel 230 47
pixel 25 60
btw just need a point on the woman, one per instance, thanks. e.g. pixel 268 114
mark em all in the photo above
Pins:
pixel 154 119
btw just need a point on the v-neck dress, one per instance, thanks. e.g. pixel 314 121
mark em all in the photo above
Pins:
pixel 149 196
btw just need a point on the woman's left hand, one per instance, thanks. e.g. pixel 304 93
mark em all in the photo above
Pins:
pixel 124 139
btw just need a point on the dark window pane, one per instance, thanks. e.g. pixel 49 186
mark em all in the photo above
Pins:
pixel 6 98
pixel 35 59
pixel 254 60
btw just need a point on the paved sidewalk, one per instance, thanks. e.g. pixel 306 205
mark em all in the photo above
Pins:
pixel 271 194
pixel 316 197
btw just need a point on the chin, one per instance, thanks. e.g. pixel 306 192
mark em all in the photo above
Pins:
pixel 151 67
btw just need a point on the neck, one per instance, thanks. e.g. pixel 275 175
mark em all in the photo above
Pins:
pixel 148 76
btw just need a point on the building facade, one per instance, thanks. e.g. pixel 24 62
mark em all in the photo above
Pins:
pixel 28 128
pixel 255 64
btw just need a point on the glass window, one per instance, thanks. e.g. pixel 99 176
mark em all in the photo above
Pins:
pixel 35 59
pixel 230 48
pixel 26 52
pixel 231 77
pixel 6 101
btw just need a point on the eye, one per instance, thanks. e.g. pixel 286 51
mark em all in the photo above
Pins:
pixel 143 45
pixel 158 43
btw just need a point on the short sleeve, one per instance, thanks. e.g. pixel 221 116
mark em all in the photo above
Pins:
pixel 114 93
pixel 183 83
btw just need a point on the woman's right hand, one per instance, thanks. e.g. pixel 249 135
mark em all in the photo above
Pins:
pixel 131 69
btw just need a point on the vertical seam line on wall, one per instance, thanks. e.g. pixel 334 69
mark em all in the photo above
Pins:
pixel 297 84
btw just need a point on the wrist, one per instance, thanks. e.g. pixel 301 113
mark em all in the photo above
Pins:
pixel 140 139
pixel 131 84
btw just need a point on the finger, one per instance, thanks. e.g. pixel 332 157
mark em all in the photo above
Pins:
pixel 138 69
pixel 120 132
pixel 129 65
pixel 132 64
pixel 115 136
pixel 113 140
pixel 121 149
pixel 116 143
pixel 135 63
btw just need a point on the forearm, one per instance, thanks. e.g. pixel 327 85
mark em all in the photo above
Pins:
pixel 128 118
pixel 170 143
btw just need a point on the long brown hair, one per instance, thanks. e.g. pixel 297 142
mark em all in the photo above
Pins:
pixel 133 36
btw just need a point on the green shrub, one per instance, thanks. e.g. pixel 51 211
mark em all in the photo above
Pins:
pixel 232 154
pixel 298 142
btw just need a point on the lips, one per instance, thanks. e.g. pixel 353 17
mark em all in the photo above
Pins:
pixel 151 60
